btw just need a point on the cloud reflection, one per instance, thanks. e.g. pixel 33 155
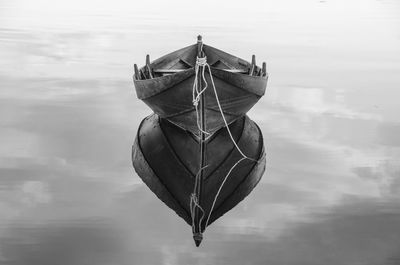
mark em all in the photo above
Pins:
pixel 68 116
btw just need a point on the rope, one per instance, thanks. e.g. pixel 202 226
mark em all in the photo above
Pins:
pixel 202 62
pixel 196 92
pixel 220 188
pixel 194 202
pixel 233 141
pixel 223 116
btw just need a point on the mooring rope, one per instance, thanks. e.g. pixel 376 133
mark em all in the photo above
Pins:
pixel 202 62
pixel 196 92
pixel 194 202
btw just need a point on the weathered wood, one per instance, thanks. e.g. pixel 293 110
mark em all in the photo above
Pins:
pixel 168 71
pixel 148 68
pixel 252 84
pixel 188 54
pixel 169 93
pixel 171 71
pixel 214 54
pixel 264 69
pixel 147 59
pixel 199 45
pixel 253 65
pixel 149 72
pixel 194 164
pixel 198 229
pixel 142 74
pixel 186 62
pixel 251 71
pixel 136 70
pixel 146 172
pixel 172 181
pixel 253 59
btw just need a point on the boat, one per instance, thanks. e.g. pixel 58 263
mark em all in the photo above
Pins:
pixel 166 157
pixel 166 86
pixel 199 152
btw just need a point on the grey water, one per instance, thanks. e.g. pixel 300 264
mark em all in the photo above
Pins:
pixel 330 119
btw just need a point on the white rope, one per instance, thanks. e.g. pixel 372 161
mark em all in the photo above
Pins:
pixel 196 98
pixel 196 92
pixel 233 141
pixel 220 188
pixel 223 116
pixel 194 202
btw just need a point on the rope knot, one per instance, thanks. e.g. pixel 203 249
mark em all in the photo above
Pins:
pixel 201 61
pixel 193 197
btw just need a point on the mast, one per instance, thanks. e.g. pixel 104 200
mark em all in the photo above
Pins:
pixel 198 229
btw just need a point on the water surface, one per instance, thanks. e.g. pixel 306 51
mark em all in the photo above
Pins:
pixel 330 119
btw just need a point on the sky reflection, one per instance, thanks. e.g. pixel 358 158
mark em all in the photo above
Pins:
pixel 68 117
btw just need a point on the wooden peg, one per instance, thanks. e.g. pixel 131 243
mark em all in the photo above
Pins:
pixel 253 64
pixel 137 76
pixel 148 69
pixel 264 69
pixel 147 59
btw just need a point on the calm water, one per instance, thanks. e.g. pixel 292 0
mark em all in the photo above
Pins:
pixel 330 118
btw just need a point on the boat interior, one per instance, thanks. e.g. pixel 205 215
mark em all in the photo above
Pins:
pixel 185 58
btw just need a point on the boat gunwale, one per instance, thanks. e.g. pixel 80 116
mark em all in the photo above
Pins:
pixel 214 50
pixel 142 84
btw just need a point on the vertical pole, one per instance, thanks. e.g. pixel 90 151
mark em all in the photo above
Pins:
pixel 197 233
pixel 264 69
pixel 137 75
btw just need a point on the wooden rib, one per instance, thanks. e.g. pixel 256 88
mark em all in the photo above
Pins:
pixel 228 59
pixel 185 62
pixel 142 74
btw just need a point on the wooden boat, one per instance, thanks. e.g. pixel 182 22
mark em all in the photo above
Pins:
pixel 165 85
pixel 166 158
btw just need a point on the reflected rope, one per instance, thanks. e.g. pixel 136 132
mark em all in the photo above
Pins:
pixel 202 62
pixel 194 202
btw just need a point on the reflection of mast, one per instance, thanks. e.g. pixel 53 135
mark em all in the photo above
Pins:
pixel 198 215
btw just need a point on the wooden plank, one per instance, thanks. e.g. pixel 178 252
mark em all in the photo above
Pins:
pixel 142 74
pixel 264 69
pixel 167 61
pixel 214 54
pixel 185 62
pixel 171 71
pixel 253 65
pixel 148 69
pixel 136 69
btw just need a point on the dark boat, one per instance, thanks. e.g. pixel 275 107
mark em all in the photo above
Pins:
pixel 166 157
pixel 166 86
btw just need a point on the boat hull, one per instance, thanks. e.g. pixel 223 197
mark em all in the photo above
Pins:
pixel 167 158
pixel 171 96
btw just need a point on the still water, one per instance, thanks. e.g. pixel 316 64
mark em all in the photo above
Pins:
pixel 330 119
